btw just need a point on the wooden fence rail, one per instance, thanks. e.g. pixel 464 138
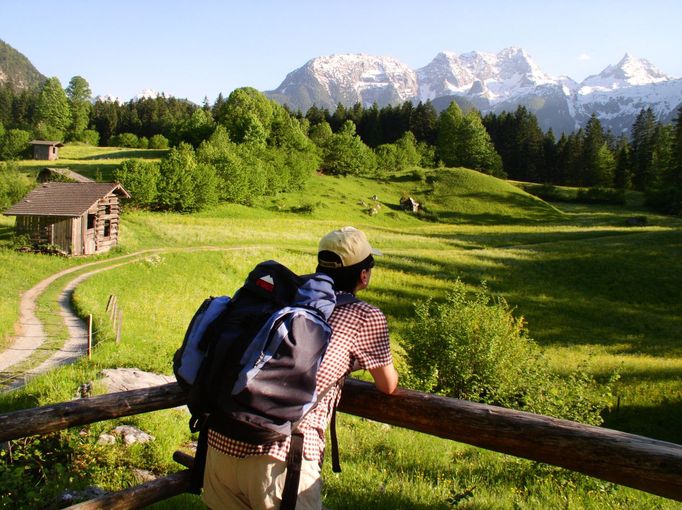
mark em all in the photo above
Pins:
pixel 627 459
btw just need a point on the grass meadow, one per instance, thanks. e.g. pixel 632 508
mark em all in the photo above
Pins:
pixel 594 292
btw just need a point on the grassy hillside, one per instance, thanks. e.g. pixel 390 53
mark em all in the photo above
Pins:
pixel 594 292
pixel 95 162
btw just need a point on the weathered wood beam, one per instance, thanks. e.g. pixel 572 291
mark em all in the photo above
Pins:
pixel 51 418
pixel 140 496
pixel 627 459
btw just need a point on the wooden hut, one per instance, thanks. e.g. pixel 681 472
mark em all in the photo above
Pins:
pixel 79 218
pixel 61 175
pixel 409 204
pixel 46 149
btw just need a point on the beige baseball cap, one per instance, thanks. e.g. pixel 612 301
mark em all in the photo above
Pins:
pixel 349 243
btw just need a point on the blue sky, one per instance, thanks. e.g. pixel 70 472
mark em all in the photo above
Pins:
pixel 199 48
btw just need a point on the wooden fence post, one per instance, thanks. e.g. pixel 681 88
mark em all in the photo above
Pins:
pixel 112 309
pixel 90 336
pixel 119 324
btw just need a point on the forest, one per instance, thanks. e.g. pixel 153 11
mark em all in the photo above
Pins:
pixel 246 146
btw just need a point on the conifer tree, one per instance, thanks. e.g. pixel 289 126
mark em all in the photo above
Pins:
pixel 597 162
pixel 643 143
pixel 550 171
pixel 423 123
pixel 672 177
pixel 622 178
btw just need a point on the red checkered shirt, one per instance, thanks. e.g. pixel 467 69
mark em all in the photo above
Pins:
pixel 359 334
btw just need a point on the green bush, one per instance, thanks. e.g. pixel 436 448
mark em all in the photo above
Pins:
pixel 158 142
pixel 129 140
pixel 472 347
pixel 140 179
pixel 39 465
pixel 14 144
pixel 91 137
pixel 13 185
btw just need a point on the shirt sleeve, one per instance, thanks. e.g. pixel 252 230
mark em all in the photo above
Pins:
pixel 372 347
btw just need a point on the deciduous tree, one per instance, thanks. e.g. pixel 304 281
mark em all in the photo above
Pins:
pixel 53 110
pixel 79 96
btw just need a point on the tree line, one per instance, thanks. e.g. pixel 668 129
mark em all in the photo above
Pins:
pixel 252 131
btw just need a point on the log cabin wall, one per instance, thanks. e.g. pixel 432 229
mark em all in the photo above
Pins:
pixel 107 214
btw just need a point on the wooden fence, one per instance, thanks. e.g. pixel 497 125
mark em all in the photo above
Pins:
pixel 627 459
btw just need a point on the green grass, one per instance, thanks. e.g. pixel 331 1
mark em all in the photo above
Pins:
pixel 593 291
pixel 95 162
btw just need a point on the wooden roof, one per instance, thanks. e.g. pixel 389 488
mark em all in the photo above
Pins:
pixel 64 172
pixel 46 142
pixel 64 198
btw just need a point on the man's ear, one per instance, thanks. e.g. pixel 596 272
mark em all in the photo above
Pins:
pixel 364 277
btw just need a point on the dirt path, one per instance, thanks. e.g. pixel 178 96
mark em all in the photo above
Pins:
pixel 32 335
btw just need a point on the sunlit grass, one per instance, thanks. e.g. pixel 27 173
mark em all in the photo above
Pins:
pixel 94 162
pixel 594 293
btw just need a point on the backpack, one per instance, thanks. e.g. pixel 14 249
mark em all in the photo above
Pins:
pixel 249 363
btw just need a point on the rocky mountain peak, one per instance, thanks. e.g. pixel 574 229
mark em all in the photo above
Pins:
pixel 630 71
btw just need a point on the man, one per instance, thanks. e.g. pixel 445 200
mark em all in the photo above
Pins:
pixel 245 476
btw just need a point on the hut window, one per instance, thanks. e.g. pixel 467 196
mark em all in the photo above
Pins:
pixel 91 221
pixel 107 209
pixel 107 228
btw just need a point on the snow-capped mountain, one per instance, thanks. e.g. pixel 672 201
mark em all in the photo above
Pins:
pixel 629 72
pixel 145 94
pixel 495 77
pixel 619 92
pixel 489 82
pixel 348 79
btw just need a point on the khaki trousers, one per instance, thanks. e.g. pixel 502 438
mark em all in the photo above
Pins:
pixel 256 483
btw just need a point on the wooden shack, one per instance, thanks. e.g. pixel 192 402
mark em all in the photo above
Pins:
pixel 409 204
pixel 79 218
pixel 46 149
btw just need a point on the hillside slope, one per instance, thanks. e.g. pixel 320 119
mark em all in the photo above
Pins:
pixel 460 195
pixel 448 195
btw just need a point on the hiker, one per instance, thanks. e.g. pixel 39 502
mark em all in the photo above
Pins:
pixel 244 476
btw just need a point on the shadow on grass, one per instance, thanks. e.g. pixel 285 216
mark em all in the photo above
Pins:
pixel 658 422
pixel 130 153
pixel 6 232
pixel 620 291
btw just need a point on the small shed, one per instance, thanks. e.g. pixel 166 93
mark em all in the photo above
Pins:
pixel 61 175
pixel 80 218
pixel 409 204
pixel 46 149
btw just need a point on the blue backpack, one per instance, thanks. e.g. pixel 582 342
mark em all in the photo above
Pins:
pixel 249 363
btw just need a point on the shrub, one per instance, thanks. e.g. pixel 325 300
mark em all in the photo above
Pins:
pixel 13 185
pixel 91 137
pixel 472 347
pixel 129 140
pixel 14 143
pixel 158 142
pixel 184 184
pixel 140 179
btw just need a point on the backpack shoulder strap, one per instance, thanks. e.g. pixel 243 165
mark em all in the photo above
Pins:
pixel 346 298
